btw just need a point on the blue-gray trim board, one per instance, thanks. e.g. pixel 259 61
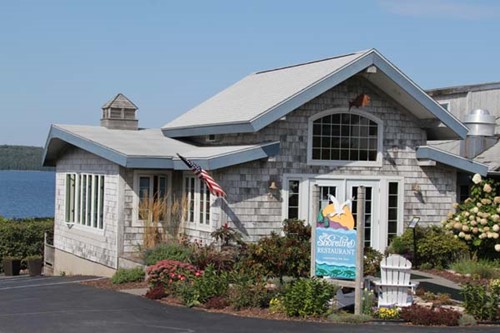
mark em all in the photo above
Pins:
pixel 58 139
pixel 455 161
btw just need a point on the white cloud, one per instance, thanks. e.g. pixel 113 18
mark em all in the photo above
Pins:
pixel 455 9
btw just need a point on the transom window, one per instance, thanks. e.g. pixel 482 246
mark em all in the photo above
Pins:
pixel 345 137
pixel 85 200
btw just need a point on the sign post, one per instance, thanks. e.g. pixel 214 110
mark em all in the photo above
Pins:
pixel 360 228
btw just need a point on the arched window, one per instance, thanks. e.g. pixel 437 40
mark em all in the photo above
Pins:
pixel 345 137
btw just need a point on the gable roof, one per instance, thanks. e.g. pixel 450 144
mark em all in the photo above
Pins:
pixel 148 148
pixel 491 157
pixel 120 101
pixel 264 97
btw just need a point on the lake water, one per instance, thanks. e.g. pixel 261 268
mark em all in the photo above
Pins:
pixel 27 193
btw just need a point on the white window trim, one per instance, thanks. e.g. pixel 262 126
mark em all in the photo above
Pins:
pixel 77 224
pixel 196 224
pixel 136 200
pixel 380 133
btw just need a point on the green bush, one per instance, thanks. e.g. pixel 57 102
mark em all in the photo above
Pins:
pixel 435 246
pixel 371 262
pixel 308 297
pixel 123 275
pixel 482 302
pixel 208 285
pixel 279 256
pixel 167 251
pixel 248 289
pixel 23 238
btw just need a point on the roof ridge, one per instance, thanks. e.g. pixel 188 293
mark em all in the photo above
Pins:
pixel 124 98
pixel 312 62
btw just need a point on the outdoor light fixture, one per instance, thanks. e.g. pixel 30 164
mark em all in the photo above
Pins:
pixel 273 189
pixel 416 188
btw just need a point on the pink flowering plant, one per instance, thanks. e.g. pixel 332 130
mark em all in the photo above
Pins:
pixel 476 221
pixel 170 273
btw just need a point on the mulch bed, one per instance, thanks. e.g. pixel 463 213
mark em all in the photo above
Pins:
pixel 105 283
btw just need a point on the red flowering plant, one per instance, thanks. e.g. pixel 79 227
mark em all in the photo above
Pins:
pixel 170 273
pixel 226 235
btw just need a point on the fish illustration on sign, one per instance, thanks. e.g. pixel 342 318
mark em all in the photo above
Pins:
pixel 360 101
pixel 336 215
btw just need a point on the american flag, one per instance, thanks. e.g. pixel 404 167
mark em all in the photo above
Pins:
pixel 212 185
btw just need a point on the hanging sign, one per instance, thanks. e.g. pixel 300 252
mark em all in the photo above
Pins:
pixel 335 241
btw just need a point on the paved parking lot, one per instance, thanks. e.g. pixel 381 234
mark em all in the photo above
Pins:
pixel 61 304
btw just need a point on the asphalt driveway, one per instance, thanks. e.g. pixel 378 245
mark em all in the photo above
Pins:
pixel 61 304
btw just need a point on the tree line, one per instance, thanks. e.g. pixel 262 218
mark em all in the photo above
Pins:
pixel 21 158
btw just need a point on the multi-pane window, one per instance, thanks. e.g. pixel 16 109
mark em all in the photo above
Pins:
pixel 368 211
pixel 344 137
pixel 85 200
pixel 152 196
pixel 197 201
pixel 392 211
pixel 293 199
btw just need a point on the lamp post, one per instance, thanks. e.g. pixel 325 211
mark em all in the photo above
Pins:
pixel 413 225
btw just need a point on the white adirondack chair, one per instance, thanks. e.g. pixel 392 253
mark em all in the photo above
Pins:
pixel 394 287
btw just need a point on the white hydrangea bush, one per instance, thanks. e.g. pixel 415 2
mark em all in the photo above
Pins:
pixel 476 221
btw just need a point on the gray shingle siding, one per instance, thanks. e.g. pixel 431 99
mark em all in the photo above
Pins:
pixel 247 184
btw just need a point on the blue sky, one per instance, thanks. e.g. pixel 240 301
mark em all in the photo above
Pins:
pixel 60 61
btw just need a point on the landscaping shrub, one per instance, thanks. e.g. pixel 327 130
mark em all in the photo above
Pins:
pixel 279 256
pixel 481 301
pixel 227 235
pixel 222 260
pixel 435 246
pixel 248 289
pixel 23 238
pixel 156 292
pixel 169 272
pixel 247 295
pixel 123 275
pixel 476 222
pixel 216 302
pixel 211 283
pixel 308 297
pixel 372 259
pixel 419 315
pixel 277 305
pixel 167 251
